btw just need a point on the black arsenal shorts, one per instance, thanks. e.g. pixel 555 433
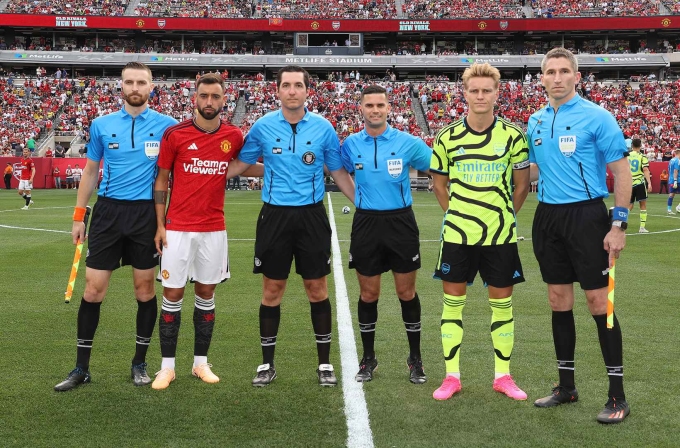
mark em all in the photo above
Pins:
pixel 498 265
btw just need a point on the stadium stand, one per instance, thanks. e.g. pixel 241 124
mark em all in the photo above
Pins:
pixel 596 8
pixel 69 7
pixel 447 9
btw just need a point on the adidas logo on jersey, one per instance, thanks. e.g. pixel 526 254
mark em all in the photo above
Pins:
pixel 192 147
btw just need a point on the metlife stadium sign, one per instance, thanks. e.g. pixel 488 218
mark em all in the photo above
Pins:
pixel 213 61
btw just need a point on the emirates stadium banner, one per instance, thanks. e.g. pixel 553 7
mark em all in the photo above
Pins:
pixel 321 61
pixel 340 25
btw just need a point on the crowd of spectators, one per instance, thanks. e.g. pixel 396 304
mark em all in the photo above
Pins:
pixel 346 9
pixel 28 109
pixel 463 9
pixel 596 8
pixel 648 112
pixel 69 7
pixel 324 9
pixel 195 8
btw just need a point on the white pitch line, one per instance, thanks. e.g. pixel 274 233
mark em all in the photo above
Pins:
pixel 359 433
pixel 31 228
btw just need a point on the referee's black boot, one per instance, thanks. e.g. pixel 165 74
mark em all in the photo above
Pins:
pixel 560 395
pixel 74 379
pixel 139 375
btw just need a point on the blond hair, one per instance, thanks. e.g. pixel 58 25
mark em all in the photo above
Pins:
pixel 560 52
pixel 485 70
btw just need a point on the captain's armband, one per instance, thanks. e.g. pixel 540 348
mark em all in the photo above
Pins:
pixel 521 165
pixel 160 197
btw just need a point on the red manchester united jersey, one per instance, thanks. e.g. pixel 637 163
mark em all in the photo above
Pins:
pixel 198 161
pixel 26 166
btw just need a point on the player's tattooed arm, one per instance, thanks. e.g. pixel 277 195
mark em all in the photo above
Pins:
pixel 160 197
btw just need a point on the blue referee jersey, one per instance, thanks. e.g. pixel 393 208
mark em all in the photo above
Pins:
pixel 572 147
pixel 129 147
pixel 293 160
pixel 381 167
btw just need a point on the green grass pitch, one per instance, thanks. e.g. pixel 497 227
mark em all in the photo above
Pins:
pixel 37 350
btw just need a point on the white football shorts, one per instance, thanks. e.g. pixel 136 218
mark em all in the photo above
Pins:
pixel 201 257
pixel 25 185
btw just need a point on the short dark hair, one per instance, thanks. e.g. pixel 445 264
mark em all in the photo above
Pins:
pixel 373 89
pixel 210 78
pixel 292 69
pixel 136 66
pixel 637 143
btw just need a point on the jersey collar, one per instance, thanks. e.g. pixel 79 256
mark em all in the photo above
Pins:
pixel 384 136
pixel 282 118
pixel 144 114
pixel 569 103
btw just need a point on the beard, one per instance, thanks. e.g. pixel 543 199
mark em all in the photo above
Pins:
pixel 137 100
pixel 208 115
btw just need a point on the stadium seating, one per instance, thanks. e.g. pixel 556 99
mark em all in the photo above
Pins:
pixel 596 8
pixel 28 110
pixel 454 9
pixel 71 7
pixel 324 9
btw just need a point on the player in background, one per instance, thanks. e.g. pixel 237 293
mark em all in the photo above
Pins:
pixel 26 178
pixel 295 145
pixel 572 143
pixel 481 156
pixel 385 234
pixel 123 222
pixel 642 183
pixel 673 177
pixel 191 236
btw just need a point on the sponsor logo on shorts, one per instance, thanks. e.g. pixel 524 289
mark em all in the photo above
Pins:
pixel 308 158
pixel 210 167
pixel 446 268
pixel 165 274
pixel 416 257
pixel 258 262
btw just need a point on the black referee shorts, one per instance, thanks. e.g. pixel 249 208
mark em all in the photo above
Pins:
pixel 639 193
pixel 284 233
pixel 384 241
pixel 568 243
pixel 121 233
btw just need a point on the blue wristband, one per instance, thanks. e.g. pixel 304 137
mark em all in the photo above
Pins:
pixel 620 214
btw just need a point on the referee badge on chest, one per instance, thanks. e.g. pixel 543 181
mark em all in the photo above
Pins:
pixel 308 158
pixel 567 144
pixel 151 149
pixel 395 167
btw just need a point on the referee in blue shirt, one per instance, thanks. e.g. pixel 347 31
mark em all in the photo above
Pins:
pixel 573 142
pixel 123 222
pixel 385 234
pixel 295 145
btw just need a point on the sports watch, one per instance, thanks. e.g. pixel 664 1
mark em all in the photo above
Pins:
pixel 621 224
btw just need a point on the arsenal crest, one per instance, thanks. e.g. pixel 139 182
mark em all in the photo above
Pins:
pixel 161 23
pixel 336 25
